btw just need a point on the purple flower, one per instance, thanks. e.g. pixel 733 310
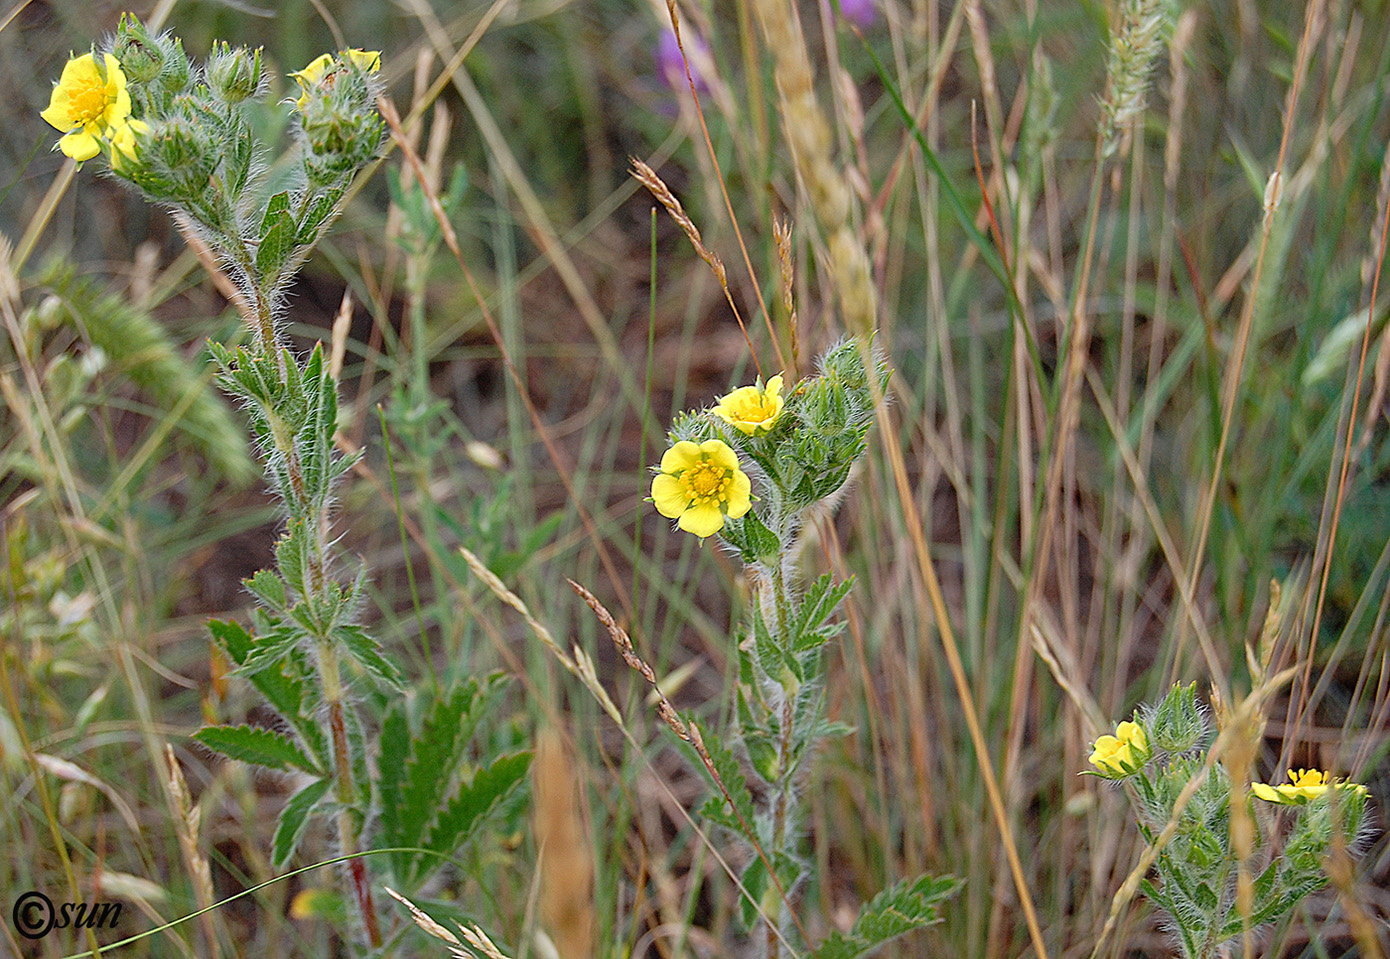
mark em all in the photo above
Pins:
pixel 670 65
pixel 861 13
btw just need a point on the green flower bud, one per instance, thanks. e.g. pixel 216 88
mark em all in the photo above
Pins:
pixel 176 74
pixel 1178 725
pixel 140 54
pixel 234 74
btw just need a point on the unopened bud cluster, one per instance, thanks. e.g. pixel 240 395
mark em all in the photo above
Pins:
pixel 797 445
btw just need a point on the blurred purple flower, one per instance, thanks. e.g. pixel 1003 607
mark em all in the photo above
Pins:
pixel 861 13
pixel 670 66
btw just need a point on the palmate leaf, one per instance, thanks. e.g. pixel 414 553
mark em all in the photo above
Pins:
pixel 293 818
pixel 899 909
pixel 415 770
pixel 252 744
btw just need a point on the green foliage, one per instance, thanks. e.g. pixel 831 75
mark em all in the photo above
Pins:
pixel 294 818
pixel 424 799
pixel 252 744
pixel 894 912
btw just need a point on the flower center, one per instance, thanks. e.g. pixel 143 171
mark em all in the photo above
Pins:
pixel 89 100
pixel 704 482
pixel 1311 777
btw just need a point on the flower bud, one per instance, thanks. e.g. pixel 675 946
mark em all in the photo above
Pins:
pixel 234 75
pixel 1177 724
pixel 176 74
pixel 139 53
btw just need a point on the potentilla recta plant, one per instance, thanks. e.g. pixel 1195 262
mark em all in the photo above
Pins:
pixel 181 133
pixel 1224 863
pixel 750 472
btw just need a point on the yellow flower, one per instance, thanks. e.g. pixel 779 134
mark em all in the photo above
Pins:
pixel 368 61
pixel 699 485
pixel 752 409
pixel 1302 788
pixel 90 102
pixel 1122 753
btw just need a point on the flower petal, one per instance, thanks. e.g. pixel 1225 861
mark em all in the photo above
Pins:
pixel 739 498
pixel 80 145
pixel 680 457
pixel 669 496
pixel 703 520
pixel 719 453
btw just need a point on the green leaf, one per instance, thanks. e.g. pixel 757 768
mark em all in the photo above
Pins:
pixel 278 242
pixel 293 818
pixel 269 588
pixel 395 750
pixel 817 606
pixel 232 638
pixel 756 884
pixel 252 744
pixel 418 785
pixel 899 909
pixel 772 655
pixel 727 766
pixel 760 541
pixel 475 801
pixel 320 210
pixel 367 653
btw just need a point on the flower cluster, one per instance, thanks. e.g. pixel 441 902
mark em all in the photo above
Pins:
pixel 181 133
pixel 798 445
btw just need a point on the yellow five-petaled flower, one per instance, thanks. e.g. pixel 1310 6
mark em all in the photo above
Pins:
pixel 1123 753
pixel 752 409
pixel 90 103
pixel 1303 787
pixel 700 485
pixel 368 61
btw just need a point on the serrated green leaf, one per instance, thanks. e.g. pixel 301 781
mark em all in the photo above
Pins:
pixel 269 588
pixel 271 646
pixel 727 766
pixel 434 755
pixel 475 801
pixel 293 818
pixel 253 744
pixel 817 606
pixel 899 909
pixel 278 242
pixel 233 638
pixel 367 653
